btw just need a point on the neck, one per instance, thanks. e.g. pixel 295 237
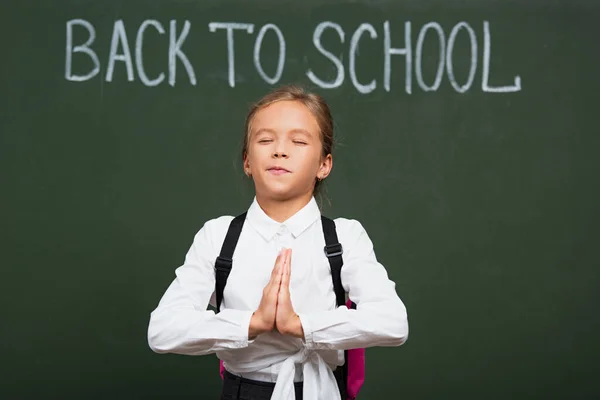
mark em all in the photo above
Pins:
pixel 280 210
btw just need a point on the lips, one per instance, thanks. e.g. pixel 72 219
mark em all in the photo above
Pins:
pixel 278 170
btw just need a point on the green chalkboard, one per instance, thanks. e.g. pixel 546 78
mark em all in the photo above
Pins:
pixel 467 144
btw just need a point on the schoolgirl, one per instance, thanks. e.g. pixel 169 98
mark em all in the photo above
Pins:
pixel 279 332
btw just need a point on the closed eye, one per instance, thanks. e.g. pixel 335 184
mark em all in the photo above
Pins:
pixel 265 141
pixel 299 142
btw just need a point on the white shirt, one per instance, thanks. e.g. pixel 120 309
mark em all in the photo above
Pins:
pixel 182 324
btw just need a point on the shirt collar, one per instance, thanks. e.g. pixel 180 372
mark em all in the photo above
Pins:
pixel 297 223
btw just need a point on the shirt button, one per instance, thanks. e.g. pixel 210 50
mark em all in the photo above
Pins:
pixel 282 230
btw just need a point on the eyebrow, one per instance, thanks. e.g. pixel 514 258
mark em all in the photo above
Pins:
pixel 264 130
pixel 301 131
pixel 297 130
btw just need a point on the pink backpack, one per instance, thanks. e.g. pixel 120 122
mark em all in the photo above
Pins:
pixel 353 370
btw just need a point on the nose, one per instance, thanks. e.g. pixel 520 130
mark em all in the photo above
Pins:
pixel 279 151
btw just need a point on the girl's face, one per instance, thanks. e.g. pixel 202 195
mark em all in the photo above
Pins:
pixel 284 155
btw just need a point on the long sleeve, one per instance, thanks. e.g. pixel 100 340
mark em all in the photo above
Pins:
pixel 380 318
pixel 181 323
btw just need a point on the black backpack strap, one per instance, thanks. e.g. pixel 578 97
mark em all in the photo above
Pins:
pixel 224 261
pixel 334 251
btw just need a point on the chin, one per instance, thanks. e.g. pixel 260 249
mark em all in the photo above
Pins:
pixel 277 192
pixel 280 195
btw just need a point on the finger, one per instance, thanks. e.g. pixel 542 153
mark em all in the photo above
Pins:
pixel 281 265
pixel 284 287
pixel 288 263
pixel 272 279
pixel 283 297
pixel 285 276
pixel 280 274
pixel 275 290
pixel 277 262
pixel 280 268
pixel 276 268
pixel 286 257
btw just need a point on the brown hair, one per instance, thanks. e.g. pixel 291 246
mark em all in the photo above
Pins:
pixel 315 104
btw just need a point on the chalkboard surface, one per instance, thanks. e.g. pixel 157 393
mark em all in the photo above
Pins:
pixel 467 145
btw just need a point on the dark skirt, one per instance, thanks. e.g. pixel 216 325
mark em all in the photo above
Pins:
pixel 236 388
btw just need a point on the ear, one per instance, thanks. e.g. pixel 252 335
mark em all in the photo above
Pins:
pixel 325 168
pixel 247 169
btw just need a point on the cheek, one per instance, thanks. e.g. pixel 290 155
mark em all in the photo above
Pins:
pixel 256 155
pixel 311 163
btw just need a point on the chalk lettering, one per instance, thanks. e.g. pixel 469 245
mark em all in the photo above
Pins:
pixel 281 60
pixel 83 48
pixel 119 36
pixel 139 61
pixel 230 26
pixel 487 50
pixel 175 44
pixel 339 79
pixel 353 49
pixel 419 57
pixel 416 57
pixel 388 51
pixel 449 59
